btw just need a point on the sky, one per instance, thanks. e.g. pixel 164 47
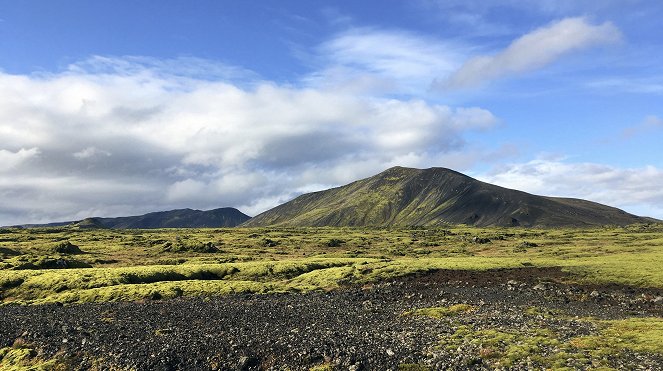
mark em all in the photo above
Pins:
pixel 114 108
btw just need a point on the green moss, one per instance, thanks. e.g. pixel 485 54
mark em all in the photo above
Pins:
pixel 636 334
pixel 322 367
pixel 303 260
pixel 533 347
pixel 543 348
pixel 24 358
pixel 440 312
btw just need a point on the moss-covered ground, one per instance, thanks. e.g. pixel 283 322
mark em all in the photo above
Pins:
pixel 72 266
pixel 544 348
pixel 135 264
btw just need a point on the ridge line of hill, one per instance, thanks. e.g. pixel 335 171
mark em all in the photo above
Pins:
pixel 402 196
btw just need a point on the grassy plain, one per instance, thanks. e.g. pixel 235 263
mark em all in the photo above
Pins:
pixel 68 266
pixel 40 265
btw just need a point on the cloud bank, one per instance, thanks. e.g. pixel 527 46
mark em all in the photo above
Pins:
pixel 129 137
pixel 533 50
pixel 638 190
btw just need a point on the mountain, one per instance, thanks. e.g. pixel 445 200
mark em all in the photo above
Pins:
pixel 404 196
pixel 182 218
pixel 54 224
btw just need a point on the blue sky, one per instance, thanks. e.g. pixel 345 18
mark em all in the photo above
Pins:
pixel 124 107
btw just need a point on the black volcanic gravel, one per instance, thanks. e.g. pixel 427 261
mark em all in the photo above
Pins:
pixel 353 328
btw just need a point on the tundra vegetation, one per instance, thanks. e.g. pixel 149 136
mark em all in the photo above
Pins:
pixel 68 265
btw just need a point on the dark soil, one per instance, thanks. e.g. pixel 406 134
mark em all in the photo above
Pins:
pixel 353 328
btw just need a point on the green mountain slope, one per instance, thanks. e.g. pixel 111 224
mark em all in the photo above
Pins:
pixel 404 196
pixel 182 218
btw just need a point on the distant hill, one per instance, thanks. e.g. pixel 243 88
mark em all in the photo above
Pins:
pixel 404 196
pixel 181 218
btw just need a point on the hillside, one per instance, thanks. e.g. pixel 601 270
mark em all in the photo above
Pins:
pixel 404 196
pixel 181 218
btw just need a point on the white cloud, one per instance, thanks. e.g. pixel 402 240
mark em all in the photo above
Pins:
pixel 183 68
pixel 362 59
pixel 637 190
pixel 531 51
pixel 90 152
pixel 189 142
pixel 186 190
pixel 649 85
pixel 10 160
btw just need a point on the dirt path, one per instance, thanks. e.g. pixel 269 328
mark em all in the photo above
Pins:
pixel 354 328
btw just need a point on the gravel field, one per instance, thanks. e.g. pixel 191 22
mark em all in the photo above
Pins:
pixel 354 328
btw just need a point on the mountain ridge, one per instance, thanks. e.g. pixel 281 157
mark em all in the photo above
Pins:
pixel 177 218
pixel 402 196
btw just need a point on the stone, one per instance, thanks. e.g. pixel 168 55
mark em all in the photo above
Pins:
pixel 245 363
pixel 539 287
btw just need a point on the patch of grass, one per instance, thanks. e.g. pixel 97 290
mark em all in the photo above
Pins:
pixel 532 347
pixel 131 283
pixel 23 357
pixel 543 348
pixel 440 312
pixel 304 258
pixel 158 291
pixel 641 269
pixel 636 334
pixel 200 247
pixel 322 367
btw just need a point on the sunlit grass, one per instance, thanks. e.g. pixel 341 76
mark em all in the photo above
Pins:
pixel 138 264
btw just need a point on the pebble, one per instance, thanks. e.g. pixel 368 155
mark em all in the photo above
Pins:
pixel 301 331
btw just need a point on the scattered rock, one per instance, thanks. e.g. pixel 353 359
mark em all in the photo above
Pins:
pixel 540 286
pixel 246 363
pixel 302 331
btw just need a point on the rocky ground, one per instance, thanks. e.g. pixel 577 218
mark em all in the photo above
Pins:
pixel 353 328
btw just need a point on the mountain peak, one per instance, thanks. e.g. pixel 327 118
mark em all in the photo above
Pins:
pixel 402 170
pixel 402 196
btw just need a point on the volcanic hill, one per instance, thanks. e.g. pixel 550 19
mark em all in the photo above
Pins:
pixel 403 196
pixel 181 218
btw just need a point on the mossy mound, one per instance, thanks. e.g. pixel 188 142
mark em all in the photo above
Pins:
pixel 66 247
pixel 5 252
pixel 202 247
pixel 42 262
